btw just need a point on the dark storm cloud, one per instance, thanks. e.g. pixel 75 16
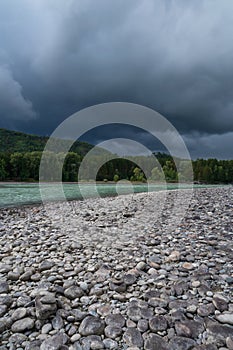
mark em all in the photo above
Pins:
pixel 174 56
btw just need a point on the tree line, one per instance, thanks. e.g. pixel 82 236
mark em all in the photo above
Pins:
pixel 25 167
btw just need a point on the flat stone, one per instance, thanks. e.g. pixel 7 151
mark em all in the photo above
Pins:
pixel 19 313
pixel 73 292
pixel 225 318
pixel 22 325
pixel 116 320
pixel 91 325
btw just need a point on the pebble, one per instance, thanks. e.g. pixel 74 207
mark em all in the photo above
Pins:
pixel 101 281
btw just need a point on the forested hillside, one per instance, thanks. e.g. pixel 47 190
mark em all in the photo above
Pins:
pixel 14 141
pixel 20 156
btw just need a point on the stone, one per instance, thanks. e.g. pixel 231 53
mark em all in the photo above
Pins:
pixel 112 332
pixel 229 343
pixel 155 342
pixel 174 256
pixel 22 325
pixel 220 303
pixel 91 325
pixel 158 323
pixel 5 268
pixel 13 276
pixel 181 343
pixel 115 320
pixel 55 342
pixel 132 337
pixel 19 313
pixel 45 265
pixel 4 287
pixel 205 310
pixel 44 311
pixel 3 310
pixel 73 292
pixel 190 329
pixel 225 318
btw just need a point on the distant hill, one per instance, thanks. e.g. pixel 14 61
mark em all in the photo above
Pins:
pixel 14 141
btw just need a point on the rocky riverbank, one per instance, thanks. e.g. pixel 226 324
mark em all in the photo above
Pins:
pixel 114 277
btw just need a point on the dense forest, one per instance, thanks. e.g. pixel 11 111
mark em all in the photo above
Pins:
pixel 20 157
pixel 25 167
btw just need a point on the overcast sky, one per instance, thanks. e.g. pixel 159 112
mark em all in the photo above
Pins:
pixel 175 56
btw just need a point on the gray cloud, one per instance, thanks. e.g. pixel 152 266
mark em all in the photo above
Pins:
pixel 173 56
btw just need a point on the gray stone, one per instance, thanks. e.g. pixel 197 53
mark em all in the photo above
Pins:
pixel 115 320
pixel 19 313
pixel 45 265
pixel 44 311
pixel 5 268
pixel 181 343
pixel 22 325
pixel 73 292
pixel 155 342
pixel 112 332
pixel 4 287
pixel 225 318
pixel 91 325
pixel 158 323
pixel 55 342
pixel 133 337
pixel 190 329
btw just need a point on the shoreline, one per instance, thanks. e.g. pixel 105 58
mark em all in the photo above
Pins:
pixel 111 276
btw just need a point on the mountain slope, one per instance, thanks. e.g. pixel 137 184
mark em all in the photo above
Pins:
pixel 14 141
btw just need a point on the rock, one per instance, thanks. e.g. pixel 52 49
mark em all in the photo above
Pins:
pixel 155 342
pixel 129 279
pixel 158 323
pixel 91 325
pixel 3 310
pixel 181 343
pixel 4 268
pixel 190 329
pixel 134 313
pixel 44 311
pixel 229 343
pixel 4 287
pixel 174 256
pixel 206 310
pixel 26 276
pixel 112 332
pixel 115 320
pixel 73 292
pixel 225 318
pixel 19 313
pixel 132 337
pixel 13 276
pixel 141 266
pixel 57 322
pixel 188 266
pixel 217 333
pixel 22 325
pixel 220 303
pixel 54 343
pixel 45 265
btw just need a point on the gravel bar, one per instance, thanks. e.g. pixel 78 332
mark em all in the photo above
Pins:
pixel 110 275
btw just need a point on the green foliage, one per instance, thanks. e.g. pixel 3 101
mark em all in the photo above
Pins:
pixel 14 141
pixel 116 177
